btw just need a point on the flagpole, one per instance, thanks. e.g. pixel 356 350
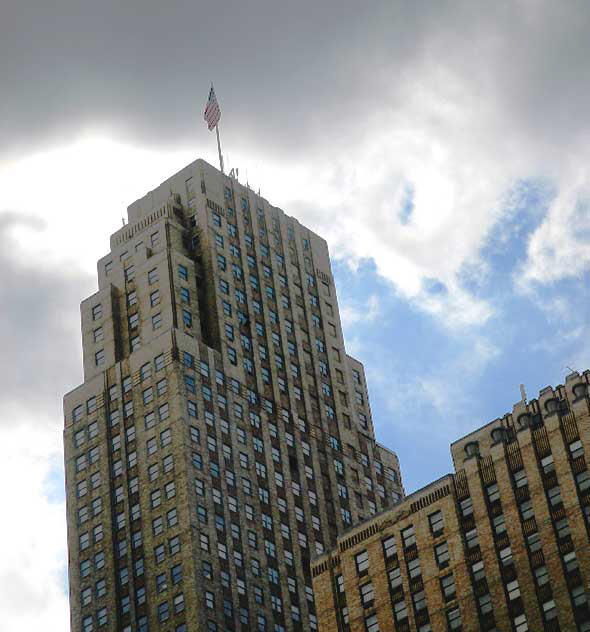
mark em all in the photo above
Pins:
pixel 219 149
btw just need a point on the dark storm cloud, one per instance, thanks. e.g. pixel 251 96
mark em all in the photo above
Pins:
pixel 145 65
pixel 290 75
pixel 39 329
pixel 142 67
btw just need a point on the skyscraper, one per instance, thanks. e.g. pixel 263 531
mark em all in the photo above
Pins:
pixel 501 544
pixel 222 436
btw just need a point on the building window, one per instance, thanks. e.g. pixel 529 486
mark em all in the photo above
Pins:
pixel 554 496
pixel 493 493
pixel 562 528
pixel 576 449
pixel 395 578
pixel 547 464
pixel 520 478
pixel 485 604
pixel 552 406
pixel 97 312
pixel 182 272
pixel 579 596
pixel 583 480
pixel 133 321
pixel 580 390
pixel 499 524
pixel 367 595
pixel 400 610
pixel 163 611
pixel 506 556
pixel 371 623
pixel 362 562
pixel 454 618
pixel 447 586
pixel 466 507
pixel 178 603
pixel 472 539
pixel 436 523
pixel 541 576
pixel 533 542
pixel 513 590
pixel 520 623
pixel 441 552
pixel 99 358
pixel 570 561
pixel 389 547
pixel 419 599
pixel 153 276
pixel 91 405
pixel 414 569
pixel 409 537
pixel 154 298
pixel 549 609
pixel 498 434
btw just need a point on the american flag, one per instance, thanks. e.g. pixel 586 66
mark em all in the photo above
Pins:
pixel 212 111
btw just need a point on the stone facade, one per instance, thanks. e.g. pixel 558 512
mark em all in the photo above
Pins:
pixel 222 438
pixel 500 545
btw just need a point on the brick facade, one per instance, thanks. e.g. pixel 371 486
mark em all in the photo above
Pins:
pixel 502 544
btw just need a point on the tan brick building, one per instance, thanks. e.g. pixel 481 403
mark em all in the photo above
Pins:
pixel 500 545
pixel 222 436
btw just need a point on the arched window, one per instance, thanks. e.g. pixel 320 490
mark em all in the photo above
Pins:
pixel 580 390
pixel 552 405
pixel 523 420
pixel 498 434
pixel 472 448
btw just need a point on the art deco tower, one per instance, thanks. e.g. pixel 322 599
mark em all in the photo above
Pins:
pixel 222 438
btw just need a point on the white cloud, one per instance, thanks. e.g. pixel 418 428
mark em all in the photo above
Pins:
pixel 459 121
pixel 32 532
pixel 78 195
pixel 352 312
pixel 560 247
pixel 356 205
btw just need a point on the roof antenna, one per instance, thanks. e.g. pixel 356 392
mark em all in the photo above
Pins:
pixel 123 220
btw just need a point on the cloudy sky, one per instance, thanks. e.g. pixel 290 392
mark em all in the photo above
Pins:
pixel 442 148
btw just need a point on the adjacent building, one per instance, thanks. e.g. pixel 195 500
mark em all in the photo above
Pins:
pixel 222 437
pixel 502 544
